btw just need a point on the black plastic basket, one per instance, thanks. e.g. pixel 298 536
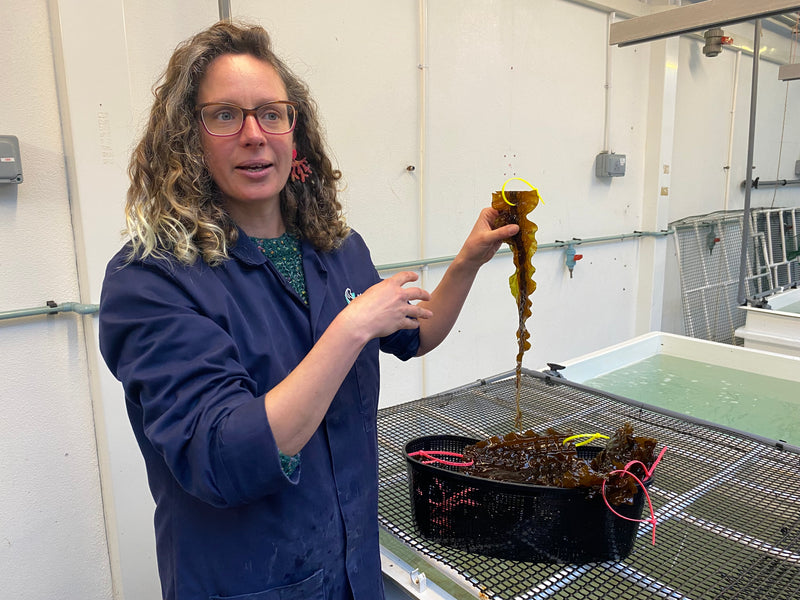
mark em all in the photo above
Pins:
pixel 515 521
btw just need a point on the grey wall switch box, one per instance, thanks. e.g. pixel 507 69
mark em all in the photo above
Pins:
pixel 608 164
pixel 797 167
pixel 10 161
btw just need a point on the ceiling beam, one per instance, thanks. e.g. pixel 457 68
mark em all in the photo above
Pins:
pixel 700 16
pixel 789 72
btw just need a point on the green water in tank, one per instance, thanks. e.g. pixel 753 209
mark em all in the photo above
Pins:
pixel 749 402
pixel 794 307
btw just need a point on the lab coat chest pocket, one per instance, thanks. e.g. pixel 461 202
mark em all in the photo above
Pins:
pixel 307 589
pixel 368 382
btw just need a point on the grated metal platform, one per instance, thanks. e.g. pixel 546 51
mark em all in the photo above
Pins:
pixel 728 506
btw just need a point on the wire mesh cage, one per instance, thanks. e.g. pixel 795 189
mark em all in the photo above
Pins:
pixel 709 247
pixel 793 252
pixel 778 233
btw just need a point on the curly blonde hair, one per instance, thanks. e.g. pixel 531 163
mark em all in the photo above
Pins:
pixel 173 206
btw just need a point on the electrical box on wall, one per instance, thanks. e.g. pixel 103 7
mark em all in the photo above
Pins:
pixel 10 161
pixel 608 164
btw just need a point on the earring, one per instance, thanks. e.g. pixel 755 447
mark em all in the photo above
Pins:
pixel 300 168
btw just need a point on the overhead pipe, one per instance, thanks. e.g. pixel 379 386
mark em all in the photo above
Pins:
pixel 748 182
pixel 422 157
pixel 757 183
pixel 422 170
pixel 224 10
pixel 52 308
pixel 424 263
pixel 609 49
pixel 734 96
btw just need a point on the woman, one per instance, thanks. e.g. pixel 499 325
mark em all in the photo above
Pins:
pixel 244 320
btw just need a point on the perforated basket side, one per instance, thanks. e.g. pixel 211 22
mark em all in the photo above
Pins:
pixel 511 520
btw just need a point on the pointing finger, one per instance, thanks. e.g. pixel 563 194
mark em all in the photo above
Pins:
pixel 404 277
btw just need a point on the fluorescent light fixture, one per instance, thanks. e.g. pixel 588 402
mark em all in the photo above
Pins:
pixel 694 17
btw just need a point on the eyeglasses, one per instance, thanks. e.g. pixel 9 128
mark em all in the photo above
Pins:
pixel 225 119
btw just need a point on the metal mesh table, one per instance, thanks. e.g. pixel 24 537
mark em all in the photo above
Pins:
pixel 728 506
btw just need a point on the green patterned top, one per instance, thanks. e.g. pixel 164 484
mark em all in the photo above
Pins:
pixel 285 253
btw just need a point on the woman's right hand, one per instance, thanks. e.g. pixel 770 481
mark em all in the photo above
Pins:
pixel 387 307
pixel 296 406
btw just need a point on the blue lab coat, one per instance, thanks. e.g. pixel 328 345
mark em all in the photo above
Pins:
pixel 196 348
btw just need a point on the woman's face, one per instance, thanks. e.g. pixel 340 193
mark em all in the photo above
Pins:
pixel 251 167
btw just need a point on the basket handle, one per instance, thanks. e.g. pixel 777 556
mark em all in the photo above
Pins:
pixel 590 437
pixel 432 456
pixel 649 473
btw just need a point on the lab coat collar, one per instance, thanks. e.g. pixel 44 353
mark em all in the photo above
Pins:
pixel 246 251
pixel 314 268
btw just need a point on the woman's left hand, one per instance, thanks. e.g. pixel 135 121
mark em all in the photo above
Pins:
pixel 483 241
pixel 448 297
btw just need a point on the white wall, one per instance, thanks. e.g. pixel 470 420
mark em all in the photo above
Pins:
pixel 52 533
pixel 496 89
pixel 709 90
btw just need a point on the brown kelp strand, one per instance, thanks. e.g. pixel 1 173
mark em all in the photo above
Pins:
pixel 514 208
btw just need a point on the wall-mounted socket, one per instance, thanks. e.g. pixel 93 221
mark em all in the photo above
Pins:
pixel 608 164
pixel 10 160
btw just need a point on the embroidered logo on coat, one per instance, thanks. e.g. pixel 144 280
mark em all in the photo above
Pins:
pixel 350 295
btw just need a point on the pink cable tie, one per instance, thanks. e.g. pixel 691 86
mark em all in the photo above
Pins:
pixel 649 473
pixel 431 455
